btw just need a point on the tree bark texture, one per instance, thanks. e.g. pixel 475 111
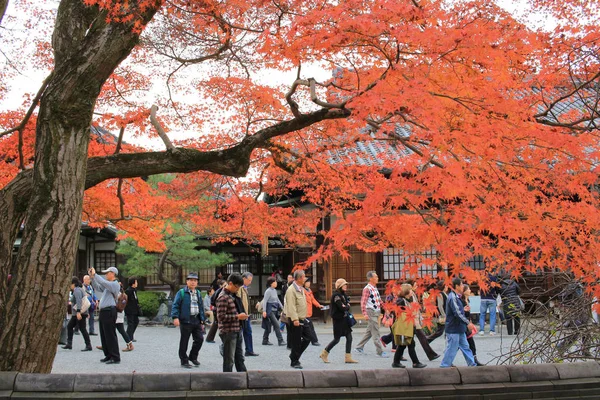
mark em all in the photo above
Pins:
pixel 32 308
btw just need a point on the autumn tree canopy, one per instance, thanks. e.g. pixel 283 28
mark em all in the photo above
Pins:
pixel 483 155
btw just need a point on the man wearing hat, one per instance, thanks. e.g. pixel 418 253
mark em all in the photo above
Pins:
pixel 188 315
pixel 110 288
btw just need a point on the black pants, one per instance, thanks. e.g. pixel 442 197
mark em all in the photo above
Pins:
pixel 438 332
pixel 195 330
pixel 233 353
pixel 108 333
pixel 124 335
pixel 132 324
pixel 272 322
pixel 431 354
pixel 471 342
pixel 336 340
pixel 212 332
pixel 313 335
pixel 81 324
pixel 513 321
pixel 411 352
pixel 299 337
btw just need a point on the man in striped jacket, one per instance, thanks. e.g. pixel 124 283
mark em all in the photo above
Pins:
pixel 370 304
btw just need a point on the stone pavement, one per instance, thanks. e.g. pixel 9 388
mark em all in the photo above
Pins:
pixel 156 352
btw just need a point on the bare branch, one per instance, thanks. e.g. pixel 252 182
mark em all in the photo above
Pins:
pixel 33 106
pixel 315 99
pixel 159 128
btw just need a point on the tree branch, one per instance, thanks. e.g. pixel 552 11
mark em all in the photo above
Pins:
pixel 159 128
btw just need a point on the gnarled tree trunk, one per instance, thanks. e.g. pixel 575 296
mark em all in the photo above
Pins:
pixel 87 50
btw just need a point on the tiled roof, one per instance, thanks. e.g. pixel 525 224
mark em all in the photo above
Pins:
pixel 379 152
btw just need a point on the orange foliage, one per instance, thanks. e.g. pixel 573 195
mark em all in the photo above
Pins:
pixel 457 96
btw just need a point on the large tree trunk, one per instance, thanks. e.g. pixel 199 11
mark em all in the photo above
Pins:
pixel 32 308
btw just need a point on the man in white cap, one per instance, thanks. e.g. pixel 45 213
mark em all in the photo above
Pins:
pixel 110 288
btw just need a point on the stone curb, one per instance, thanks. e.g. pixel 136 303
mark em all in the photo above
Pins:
pixel 219 381
pixel 490 382
pixel 487 374
pixel 532 372
pixel 330 379
pixel 44 383
pixel 275 379
pixel 158 383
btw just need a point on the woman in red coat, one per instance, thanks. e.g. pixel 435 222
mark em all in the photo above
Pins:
pixel 310 301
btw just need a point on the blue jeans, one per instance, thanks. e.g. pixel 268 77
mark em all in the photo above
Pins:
pixel 454 342
pixel 247 332
pixel 485 305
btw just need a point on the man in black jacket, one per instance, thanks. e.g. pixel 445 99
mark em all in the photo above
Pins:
pixel 132 309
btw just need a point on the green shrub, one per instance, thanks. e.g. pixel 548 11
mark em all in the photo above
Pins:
pixel 150 301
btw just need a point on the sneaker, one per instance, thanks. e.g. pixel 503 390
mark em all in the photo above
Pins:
pixel 384 355
pixel 360 351
pixel 492 333
pixel 481 333
pixel 296 365
pixel 382 343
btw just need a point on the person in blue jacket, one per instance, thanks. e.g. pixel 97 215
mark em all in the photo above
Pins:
pixel 456 327
pixel 188 315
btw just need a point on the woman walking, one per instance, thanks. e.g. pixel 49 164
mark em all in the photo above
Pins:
pixel 339 306
pixel 271 309
pixel 78 316
pixel 404 329
pixel 310 301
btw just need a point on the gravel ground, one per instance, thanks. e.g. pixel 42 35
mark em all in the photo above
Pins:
pixel 157 347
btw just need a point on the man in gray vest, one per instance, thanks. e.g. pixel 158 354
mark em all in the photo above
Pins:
pixel 110 288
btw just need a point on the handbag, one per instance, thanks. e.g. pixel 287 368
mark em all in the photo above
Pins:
pixel 284 318
pixel 85 304
pixel 387 320
pixel 350 320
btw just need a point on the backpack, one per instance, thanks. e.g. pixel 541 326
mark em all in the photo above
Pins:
pixel 198 293
pixel 214 297
pixel 121 302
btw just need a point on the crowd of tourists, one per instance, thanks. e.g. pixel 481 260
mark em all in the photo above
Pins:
pixel 287 306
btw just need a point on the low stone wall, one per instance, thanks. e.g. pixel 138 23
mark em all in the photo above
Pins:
pixel 543 381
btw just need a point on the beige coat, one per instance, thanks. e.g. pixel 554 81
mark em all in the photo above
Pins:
pixel 243 294
pixel 294 306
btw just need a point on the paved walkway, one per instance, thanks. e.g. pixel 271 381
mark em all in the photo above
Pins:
pixel 156 352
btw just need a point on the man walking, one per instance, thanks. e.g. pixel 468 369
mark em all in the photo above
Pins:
pixel 295 309
pixel 456 327
pixel 370 304
pixel 242 294
pixel 488 302
pixel 230 320
pixel 188 314
pixel 132 309
pixel 110 288
pixel 89 289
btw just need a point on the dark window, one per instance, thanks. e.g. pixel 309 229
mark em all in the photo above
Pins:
pixel 270 262
pixel 397 261
pixel 476 263
pixel 242 263
pixel 105 259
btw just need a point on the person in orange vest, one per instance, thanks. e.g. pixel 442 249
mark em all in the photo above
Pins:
pixel 310 301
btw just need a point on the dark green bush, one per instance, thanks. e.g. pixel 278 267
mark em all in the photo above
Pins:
pixel 150 301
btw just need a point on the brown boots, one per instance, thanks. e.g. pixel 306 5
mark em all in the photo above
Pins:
pixel 325 356
pixel 349 359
